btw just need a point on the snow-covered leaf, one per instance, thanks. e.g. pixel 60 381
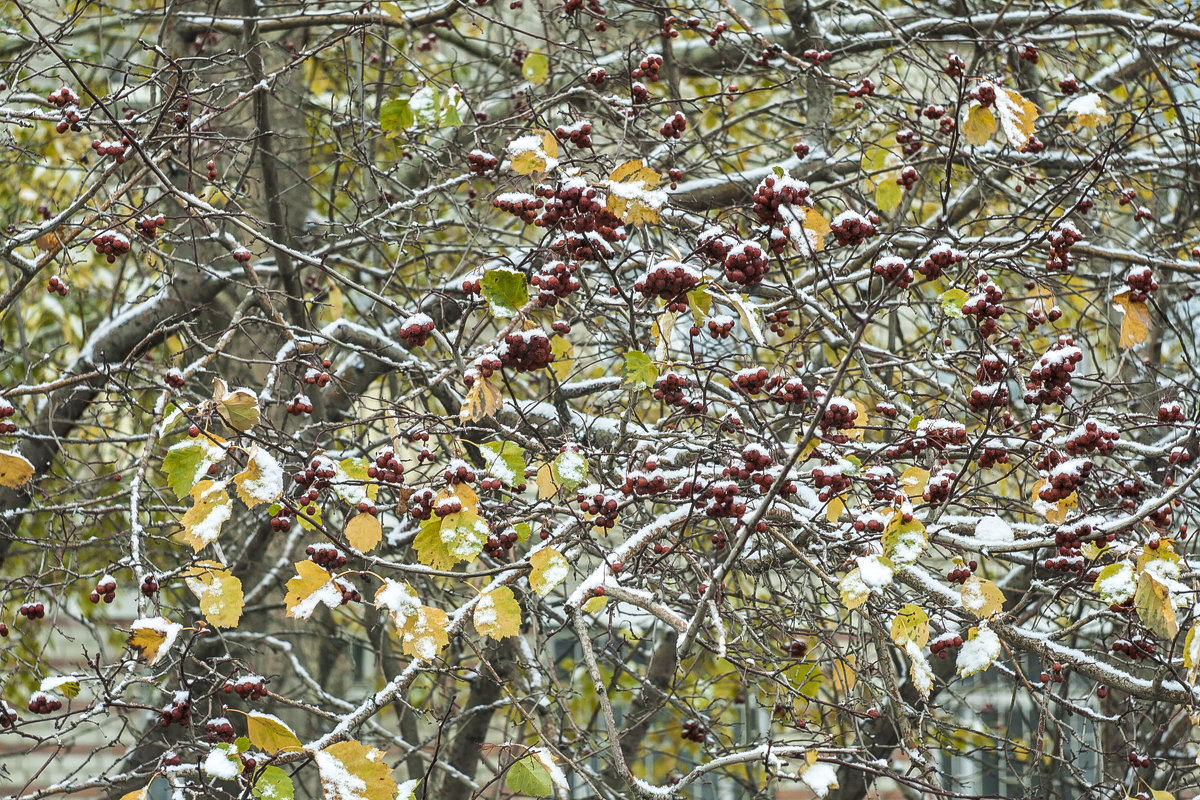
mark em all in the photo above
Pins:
pixel 498 614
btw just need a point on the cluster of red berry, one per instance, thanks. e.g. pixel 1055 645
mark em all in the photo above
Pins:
pixel 147 227
pixel 299 405
pixel 1141 283
pixel 674 126
pixel 111 244
pixel 115 150
pixel 526 351
pixel 851 228
pixel 693 731
pixel 592 500
pixel 247 687
pixel 830 481
pixel 648 68
pixel 1061 239
pixel 43 703
pixel 940 645
pixel 177 712
pixel 894 270
pixel 986 305
pixel 481 163
pixel 415 330
pixel 32 611
pixel 670 281
pixel 219 730
pixel 1170 412
pixel 520 204
pixel 387 467
pixel 326 555
pixel 937 489
pixel 66 100
pixel 106 588
pixel 1050 378
pixel 555 281
pixel 577 133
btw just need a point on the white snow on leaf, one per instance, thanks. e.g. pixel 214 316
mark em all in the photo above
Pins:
pixel 572 467
pixel 921 674
pixel 485 612
pixel 407 790
pixel 399 600
pixel 556 774
pixel 167 629
pixel 1117 587
pixel 223 763
pixel 820 777
pixel 993 530
pixel 329 595
pixel 339 783
pixel 269 485
pixel 978 653
pixel 874 572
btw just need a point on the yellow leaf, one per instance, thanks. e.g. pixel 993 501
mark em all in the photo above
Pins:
pixel 367 766
pixel 153 637
pixel 888 194
pixel 393 11
pixel 852 589
pixel 1088 109
pixel 860 422
pixel 633 194
pixel 842 676
pixel 363 532
pixel 816 228
pixel 903 542
pixel 270 734
pixel 1053 512
pixel 595 605
pixel 978 126
pixel 252 488
pixel 911 624
pixel 834 509
pixel 424 633
pixel 140 794
pixel 548 568
pixel 1017 116
pixel 563 350
pixel 15 469
pixel 239 408
pixel 1155 607
pixel 1135 320
pixel 218 591
pixel 483 400
pixel 981 597
pixel 211 507
pixel 528 160
pixel 913 481
pixel 51 241
pixel 312 585
pixel 498 614
pixel 536 68
pixel 546 486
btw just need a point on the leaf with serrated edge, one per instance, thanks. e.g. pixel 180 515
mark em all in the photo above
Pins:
pixel 270 734
pixel 548 568
pixel 498 614
pixel 1155 606
pixel 312 586
pixel 363 532
pixel 1135 320
pixel 218 592
pixel 911 624
pixel 483 400
pixel 15 469
pixel 368 767
pixel 202 523
pixel 638 370
pixel 981 597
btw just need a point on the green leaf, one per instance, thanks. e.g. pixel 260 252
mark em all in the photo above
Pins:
pixel 528 776
pixel 271 734
pixel 395 115
pixel 952 303
pixel 449 106
pixel 274 784
pixel 570 469
pixel 505 290
pixel 888 194
pixel 638 370
pixel 442 543
pixel 506 461
pixel 181 466
pixel 536 68
pixel 393 11
pixel 498 614
pixel 699 303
